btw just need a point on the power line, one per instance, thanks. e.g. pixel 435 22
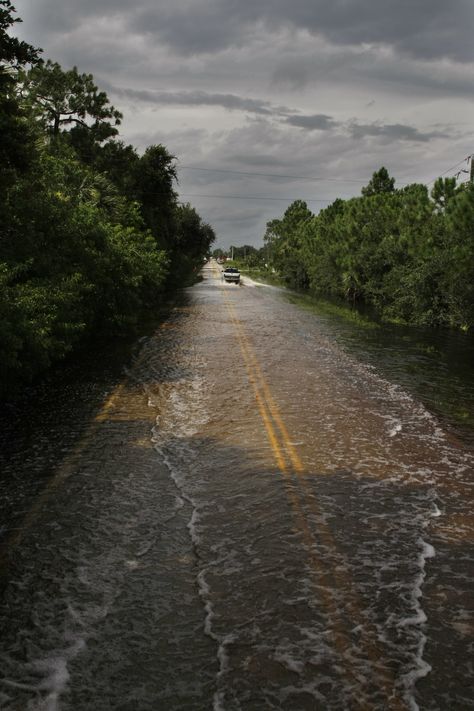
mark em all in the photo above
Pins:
pixel 273 175
pixel 307 177
pixel 450 169
pixel 256 197
pixel 279 175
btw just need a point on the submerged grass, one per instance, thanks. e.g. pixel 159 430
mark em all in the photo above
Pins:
pixel 311 302
pixel 328 308
pixel 264 277
pixel 435 365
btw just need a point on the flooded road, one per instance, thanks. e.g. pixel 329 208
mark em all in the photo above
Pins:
pixel 251 519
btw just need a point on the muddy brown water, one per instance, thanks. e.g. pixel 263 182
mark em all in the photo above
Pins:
pixel 251 516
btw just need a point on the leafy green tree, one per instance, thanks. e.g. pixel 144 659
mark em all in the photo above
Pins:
pixel 408 256
pixel 218 252
pixel 88 230
pixel 320 250
pixel 283 240
pixel 13 52
pixel 444 190
pixel 85 262
pixel 192 242
pixel 248 256
pixel 380 182
pixel 193 236
pixel 360 232
pixel 154 175
pixel 114 158
pixel 17 139
pixel 458 271
pixel 412 291
pixel 64 98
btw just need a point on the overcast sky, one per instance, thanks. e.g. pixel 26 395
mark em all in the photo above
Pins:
pixel 276 91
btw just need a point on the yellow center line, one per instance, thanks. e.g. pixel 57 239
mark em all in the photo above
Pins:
pixel 262 408
pixel 272 407
pixel 288 462
pixel 339 637
pixel 67 467
pixel 109 404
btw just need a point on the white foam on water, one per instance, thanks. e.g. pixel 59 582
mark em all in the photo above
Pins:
pixel 413 410
pixel 218 703
pixel 411 679
pixel 292 664
pixel 193 523
pixel 420 668
pixel 204 591
pixel 182 406
pixel 54 673
pixel 395 428
pixel 310 688
pixel 222 642
pixel 182 410
pixel 132 564
pixel 185 412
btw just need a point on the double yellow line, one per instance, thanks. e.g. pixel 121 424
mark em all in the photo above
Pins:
pixel 290 465
pixel 285 453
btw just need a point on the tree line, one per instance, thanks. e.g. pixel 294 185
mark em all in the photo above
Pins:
pixel 91 232
pixel 406 253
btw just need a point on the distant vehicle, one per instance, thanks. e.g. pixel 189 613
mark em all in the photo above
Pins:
pixel 231 275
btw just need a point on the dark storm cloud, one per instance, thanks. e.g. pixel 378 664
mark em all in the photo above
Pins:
pixel 426 29
pixel 292 72
pixel 177 65
pixel 371 69
pixel 243 218
pixel 313 122
pixel 413 79
pixel 308 122
pixel 389 132
pixel 255 159
pixel 393 132
pixel 336 166
pixel 231 102
pixel 197 98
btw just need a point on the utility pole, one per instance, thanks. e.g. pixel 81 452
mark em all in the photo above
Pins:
pixel 471 177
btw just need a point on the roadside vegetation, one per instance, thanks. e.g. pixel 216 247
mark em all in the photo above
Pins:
pixel 407 254
pixel 91 232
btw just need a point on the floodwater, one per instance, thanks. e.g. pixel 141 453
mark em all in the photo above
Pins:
pixel 251 517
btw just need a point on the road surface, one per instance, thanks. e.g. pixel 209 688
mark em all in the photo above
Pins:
pixel 252 520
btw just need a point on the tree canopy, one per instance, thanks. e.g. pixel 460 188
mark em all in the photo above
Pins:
pixel 380 183
pixel 64 98
pixel 91 231
pixel 406 253
pixel 16 144
pixel 13 52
